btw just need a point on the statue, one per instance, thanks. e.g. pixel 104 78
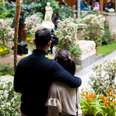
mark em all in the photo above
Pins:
pixel 47 23
pixel 49 12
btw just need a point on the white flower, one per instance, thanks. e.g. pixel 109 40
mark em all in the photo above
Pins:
pixel 8 98
pixel 33 22
pixel 104 76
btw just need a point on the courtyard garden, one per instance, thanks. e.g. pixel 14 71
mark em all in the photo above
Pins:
pixel 73 34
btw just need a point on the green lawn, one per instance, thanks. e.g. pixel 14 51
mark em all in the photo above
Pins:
pixel 106 49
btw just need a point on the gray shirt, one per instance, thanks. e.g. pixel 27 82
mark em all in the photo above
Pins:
pixel 65 98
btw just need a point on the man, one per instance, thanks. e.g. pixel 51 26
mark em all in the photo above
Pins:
pixel 34 75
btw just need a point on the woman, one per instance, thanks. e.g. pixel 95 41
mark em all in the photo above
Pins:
pixel 61 96
pixel 95 5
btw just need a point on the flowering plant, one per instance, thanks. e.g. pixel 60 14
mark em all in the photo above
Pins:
pixel 95 27
pixel 90 104
pixel 6 32
pixel 33 22
pixel 104 86
pixel 103 99
pixel 3 50
pixel 9 100
pixel 3 30
pixel 109 103
pixel 66 32
pixel 93 104
pixel 104 77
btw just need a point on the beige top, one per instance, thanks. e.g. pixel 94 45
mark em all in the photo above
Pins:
pixel 66 99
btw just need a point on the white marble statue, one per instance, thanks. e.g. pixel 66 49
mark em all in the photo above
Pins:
pixel 49 12
pixel 47 23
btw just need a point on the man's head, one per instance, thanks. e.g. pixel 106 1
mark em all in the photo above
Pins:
pixel 42 38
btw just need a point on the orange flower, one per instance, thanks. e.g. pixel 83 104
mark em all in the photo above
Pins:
pixel 110 93
pixel 102 98
pixel 114 102
pixel 106 102
pixel 90 96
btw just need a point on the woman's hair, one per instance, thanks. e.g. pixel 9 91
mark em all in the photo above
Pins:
pixel 63 58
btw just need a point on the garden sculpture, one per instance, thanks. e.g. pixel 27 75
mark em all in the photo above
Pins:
pixel 47 23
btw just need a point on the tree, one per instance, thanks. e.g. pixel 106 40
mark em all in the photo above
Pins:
pixel 18 10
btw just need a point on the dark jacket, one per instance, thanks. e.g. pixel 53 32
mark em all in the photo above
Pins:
pixel 33 77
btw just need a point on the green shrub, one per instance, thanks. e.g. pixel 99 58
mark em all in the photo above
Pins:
pixel 94 27
pixel 93 33
pixel 65 12
pixel 8 10
pixel 107 37
pixel 6 69
pixel 39 6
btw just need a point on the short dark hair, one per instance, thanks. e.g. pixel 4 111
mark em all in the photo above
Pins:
pixel 42 37
pixel 63 58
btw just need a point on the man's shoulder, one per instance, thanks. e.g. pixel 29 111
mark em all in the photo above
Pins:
pixel 23 60
pixel 50 62
pixel 53 62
